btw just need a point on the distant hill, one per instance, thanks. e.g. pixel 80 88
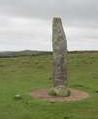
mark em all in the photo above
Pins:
pixel 21 53
pixel 85 51
pixel 33 53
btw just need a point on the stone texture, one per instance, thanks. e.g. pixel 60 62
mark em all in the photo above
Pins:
pixel 59 56
pixel 59 53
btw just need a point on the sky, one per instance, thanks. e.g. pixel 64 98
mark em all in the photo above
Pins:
pixel 27 24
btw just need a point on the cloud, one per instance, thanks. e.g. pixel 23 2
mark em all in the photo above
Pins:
pixel 24 33
pixel 26 24
pixel 72 11
pixel 82 38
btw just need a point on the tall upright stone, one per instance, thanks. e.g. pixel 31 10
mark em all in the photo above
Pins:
pixel 59 42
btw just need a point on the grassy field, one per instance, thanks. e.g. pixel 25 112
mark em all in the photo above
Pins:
pixel 20 75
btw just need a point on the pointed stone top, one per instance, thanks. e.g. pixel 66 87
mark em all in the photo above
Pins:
pixel 56 19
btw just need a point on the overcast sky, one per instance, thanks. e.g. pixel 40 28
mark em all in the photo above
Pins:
pixel 27 24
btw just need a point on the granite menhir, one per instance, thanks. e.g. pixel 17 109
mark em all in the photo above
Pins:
pixel 59 42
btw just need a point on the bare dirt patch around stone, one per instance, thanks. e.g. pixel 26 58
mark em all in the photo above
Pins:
pixel 75 95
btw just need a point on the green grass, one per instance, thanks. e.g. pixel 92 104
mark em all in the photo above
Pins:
pixel 20 75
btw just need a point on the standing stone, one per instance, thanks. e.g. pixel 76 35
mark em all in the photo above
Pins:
pixel 59 59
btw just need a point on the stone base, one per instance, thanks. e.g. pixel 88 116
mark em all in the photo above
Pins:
pixel 75 95
pixel 59 91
